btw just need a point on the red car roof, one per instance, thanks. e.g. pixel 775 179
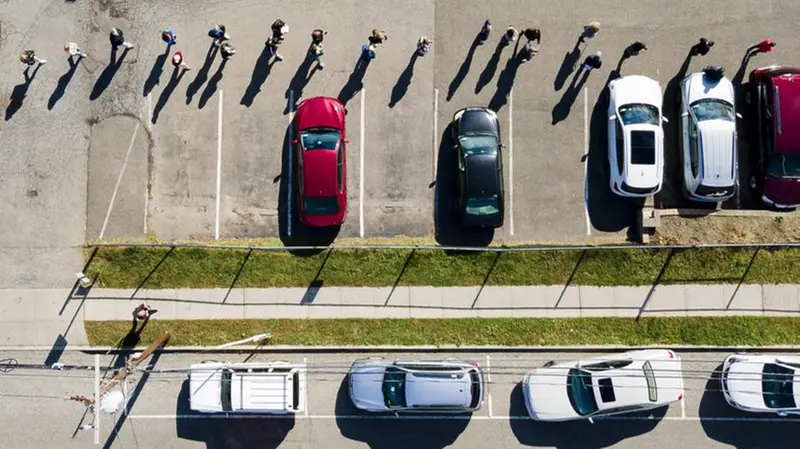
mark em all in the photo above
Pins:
pixel 319 167
pixel 320 112
pixel 788 87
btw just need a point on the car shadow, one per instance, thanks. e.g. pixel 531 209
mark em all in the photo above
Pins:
pixel 577 434
pixel 447 225
pixel 262 431
pixel 291 230
pixel 387 432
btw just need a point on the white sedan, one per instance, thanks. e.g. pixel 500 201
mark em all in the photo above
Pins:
pixel 635 137
pixel 603 386
pixel 762 383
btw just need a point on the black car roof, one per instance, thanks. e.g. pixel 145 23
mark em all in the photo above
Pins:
pixel 482 176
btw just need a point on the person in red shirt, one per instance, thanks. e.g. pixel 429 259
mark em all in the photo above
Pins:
pixel 764 46
pixel 178 62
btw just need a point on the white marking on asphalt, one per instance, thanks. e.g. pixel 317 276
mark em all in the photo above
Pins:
pixel 146 205
pixel 361 172
pixel 219 163
pixel 149 111
pixel 489 382
pixel 96 414
pixel 511 161
pixel 586 160
pixel 305 363
pixel 289 151
pixel 119 180
pixel 683 408
pixel 435 130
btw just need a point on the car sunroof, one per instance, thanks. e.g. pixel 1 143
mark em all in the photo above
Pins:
pixel 606 390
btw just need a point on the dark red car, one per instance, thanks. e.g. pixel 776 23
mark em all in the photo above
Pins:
pixel 319 145
pixel 774 98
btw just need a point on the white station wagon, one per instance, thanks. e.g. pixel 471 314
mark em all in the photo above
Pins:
pixel 762 383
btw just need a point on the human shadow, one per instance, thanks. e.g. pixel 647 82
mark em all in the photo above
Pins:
pixel 155 73
pixel 260 73
pixel 428 432
pixel 262 431
pixel 107 75
pixel 298 82
pixel 567 66
pixel 202 74
pixel 577 434
pixel 562 109
pixel 448 230
pixel 174 80
pixel 491 67
pixel 671 194
pixel 464 68
pixel 20 92
pixel 401 86
pixel 211 86
pixel 63 82
pixel 505 82
pixel 355 82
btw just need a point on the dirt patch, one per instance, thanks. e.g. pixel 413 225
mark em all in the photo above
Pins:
pixel 114 9
pixel 721 229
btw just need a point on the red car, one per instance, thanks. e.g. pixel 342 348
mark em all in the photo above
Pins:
pixel 774 97
pixel 319 144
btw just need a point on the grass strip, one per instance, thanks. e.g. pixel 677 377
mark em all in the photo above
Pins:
pixel 719 331
pixel 152 267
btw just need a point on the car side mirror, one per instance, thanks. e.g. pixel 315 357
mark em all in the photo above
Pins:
pixel 295 141
pixel 612 117
pixel 665 119
pixel 346 140
pixel 783 414
pixel 739 116
pixel 396 415
pixel 590 419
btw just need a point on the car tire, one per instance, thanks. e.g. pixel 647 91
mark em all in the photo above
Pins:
pixel 549 364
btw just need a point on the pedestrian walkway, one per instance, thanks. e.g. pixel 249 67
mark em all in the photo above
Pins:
pixel 42 317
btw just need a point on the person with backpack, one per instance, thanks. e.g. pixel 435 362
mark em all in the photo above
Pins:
pixel 424 45
pixel 169 37
pixel 117 38
pixel 218 34
pixel 316 50
pixel 29 58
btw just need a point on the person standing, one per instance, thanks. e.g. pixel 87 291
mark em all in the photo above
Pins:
pixel 29 58
pixel 594 61
pixel 178 62
pixel 317 36
pixel 424 45
pixel 510 36
pixel 117 38
pixel 590 30
pixel 529 50
pixel 169 37
pixel 218 34
pixel 764 46
pixel 272 47
pixel 634 49
pixel 143 312
pixel 533 34
pixel 486 30
pixel 73 50
pixel 378 37
pixel 227 50
pixel 279 30
pixel 702 47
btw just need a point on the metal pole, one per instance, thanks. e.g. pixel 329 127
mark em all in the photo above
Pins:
pixel 96 423
pixel 252 339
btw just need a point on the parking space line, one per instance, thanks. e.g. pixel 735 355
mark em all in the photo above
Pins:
pixel 219 163
pixel 149 111
pixel 489 382
pixel 361 171
pixel 435 131
pixel 305 363
pixel 96 415
pixel 586 160
pixel 289 151
pixel 146 204
pixel 511 161
pixel 119 180
pixel 683 407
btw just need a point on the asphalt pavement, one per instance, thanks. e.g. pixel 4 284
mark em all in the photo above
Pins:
pixel 157 412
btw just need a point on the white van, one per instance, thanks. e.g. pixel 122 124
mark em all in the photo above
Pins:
pixel 272 387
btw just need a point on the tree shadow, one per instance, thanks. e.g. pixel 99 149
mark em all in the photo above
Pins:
pixel 562 109
pixel 20 92
pixel 202 74
pixel 267 432
pixel 174 80
pixel 491 67
pixel 567 66
pixel 429 432
pixel 401 86
pixel 505 82
pixel 355 82
pixel 567 435
pixel 260 73
pixel 63 82
pixel 447 225
pixel 464 68
pixel 211 86
pixel 298 82
pixel 108 73
pixel 155 73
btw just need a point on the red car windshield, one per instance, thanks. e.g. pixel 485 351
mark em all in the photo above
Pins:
pixel 321 139
pixel 321 205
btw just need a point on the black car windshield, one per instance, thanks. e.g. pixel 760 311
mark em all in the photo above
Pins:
pixel 777 383
pixel 394 387
pixel 320 139
pixel 478 144
pixel 580 393
pixel 784 166
pixel 225 390
pixel 632 114
pixel 712 109
pixel 483 206
pixel 321 205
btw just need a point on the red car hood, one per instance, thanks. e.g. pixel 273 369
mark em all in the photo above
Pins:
pixel 320 112
pixel 782 191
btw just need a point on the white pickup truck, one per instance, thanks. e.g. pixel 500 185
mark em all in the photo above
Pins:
pixel 272 387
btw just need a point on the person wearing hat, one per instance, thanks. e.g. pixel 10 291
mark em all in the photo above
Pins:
pixel 594 61
pixel 178 61
pixel 117 38
pixel 29 57
pixel 169 37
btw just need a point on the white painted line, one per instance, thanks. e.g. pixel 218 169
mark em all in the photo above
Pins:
pixel 219 163
pixel 305 363
pixel 149 111
pixel 96 414
pixel 289 151
pixel 683 408
pixel 361 172
pixel 586 160
pixel 146 204
pixel 489 382
pixel 435 130
pixel 511 161
pixel 119 180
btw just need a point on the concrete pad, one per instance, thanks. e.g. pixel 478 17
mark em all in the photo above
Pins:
pixel 629 300
pixel 100 310
pixel 744 299
pixel 15 307
pixel 114 293
pixel 781 299
pixel 705 300
pixel 596 301
pixel 362 302
pixel 274 303
pixel 15 333
pixel 327 303
pixel 48 331
pixel 425 302
pixel 165 300
pixel 464 298
pixel 667 300
pixel 397 305
pixel 205 304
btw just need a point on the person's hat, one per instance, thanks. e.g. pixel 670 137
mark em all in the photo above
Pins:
pixel 284 29
pixel 177 58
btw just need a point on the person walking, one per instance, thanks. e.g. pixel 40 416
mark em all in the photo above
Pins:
pixel 510 36
pixel 378 37
pixel 594 61
pixel 529 50
pixel 169 37
pixel 424 45
pixel 279 30
pixel 143 312
pixel 227 50
pixel 486 30
pixel 317 36
pixel 702 47
pixel 590 30
pixel 218 34
pixel 73 50
pixel 272 47
pixel 764 46
pixel 29 58
pixel 178 62
pixel 634 49
pixel 533 34
pixel 117 38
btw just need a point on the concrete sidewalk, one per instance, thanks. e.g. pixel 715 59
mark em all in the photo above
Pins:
pixel 47 317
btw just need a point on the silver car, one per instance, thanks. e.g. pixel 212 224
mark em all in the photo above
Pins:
pixel 439 386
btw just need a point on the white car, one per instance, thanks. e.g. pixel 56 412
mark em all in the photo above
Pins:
pixel 635 137
pixel 762 383
pixel 609 385
pixel 708 136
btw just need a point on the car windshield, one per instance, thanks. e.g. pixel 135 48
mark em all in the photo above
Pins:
pixel 320 139
pixel 784 166
pixel 321 205
pixel 394 387
pixel 483 206
pixel 580 393
pixel 712 109
pixel 643 147
pixel 650 378
pixel 778 386
pixel 478 144
pixel 632 114
pixel 225 390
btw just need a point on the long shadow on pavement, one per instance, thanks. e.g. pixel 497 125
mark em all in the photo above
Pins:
pixel 298 82
pixel 202 74
pixel 155 73
pixel 19 93
pixel 174 80
pixel 562 109
pixel 430 433
pixel 260 73
pixel 355 82
pixel 63 82
pixel 567 66
pixel 401 86
pixel 505 82
pixel 463 69
pixel 211 87
pixel 491 67
pixel 105 78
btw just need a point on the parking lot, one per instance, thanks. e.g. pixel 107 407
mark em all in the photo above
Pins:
pixel 205 155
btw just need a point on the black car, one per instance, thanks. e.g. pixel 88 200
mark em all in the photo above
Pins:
pixel 476 133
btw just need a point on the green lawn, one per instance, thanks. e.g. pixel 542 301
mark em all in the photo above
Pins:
pixel 719 331
pixel 150 267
